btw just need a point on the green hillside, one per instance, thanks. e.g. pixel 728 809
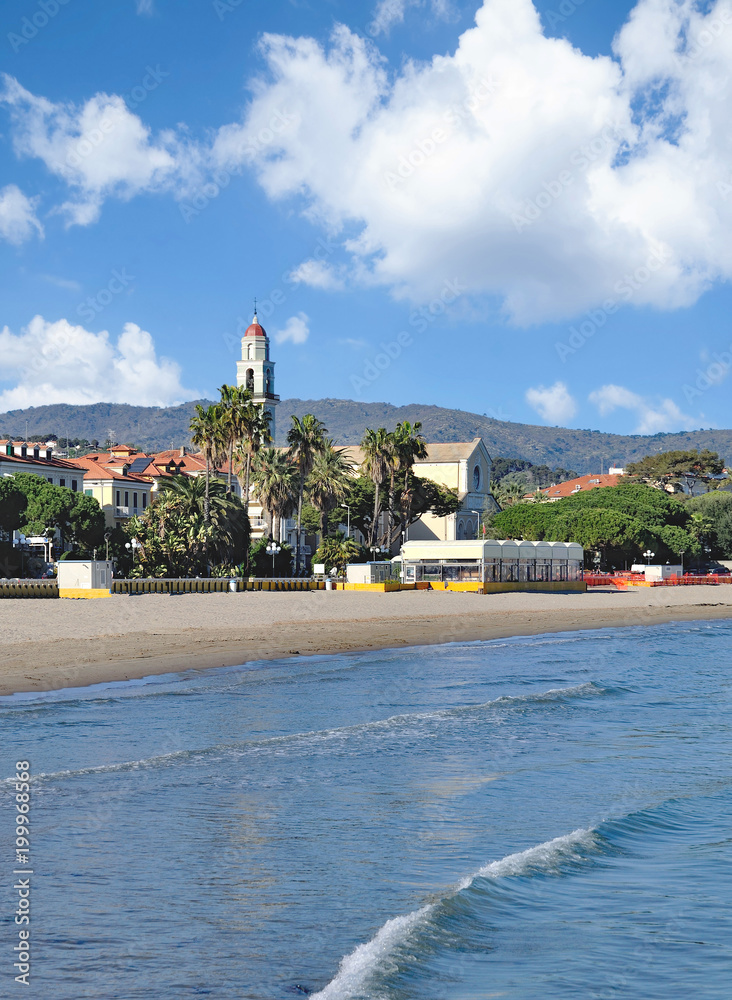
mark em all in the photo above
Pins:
pixel 155 428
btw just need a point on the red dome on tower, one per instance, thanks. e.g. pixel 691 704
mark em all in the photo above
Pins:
pixel 254 329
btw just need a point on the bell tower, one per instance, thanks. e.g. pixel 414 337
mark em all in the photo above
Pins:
pixel 256 371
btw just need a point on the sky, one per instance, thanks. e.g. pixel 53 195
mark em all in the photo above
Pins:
pixel 513 208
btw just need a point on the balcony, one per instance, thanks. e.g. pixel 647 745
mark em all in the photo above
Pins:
pixel 127 511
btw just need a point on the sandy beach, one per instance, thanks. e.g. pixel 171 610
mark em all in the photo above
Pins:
pixel 51 644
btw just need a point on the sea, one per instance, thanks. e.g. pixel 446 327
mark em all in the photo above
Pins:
pixel 538 818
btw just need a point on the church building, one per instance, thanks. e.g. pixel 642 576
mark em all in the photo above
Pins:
pixel 256 370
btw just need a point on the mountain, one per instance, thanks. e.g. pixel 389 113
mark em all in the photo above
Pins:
pixel 157 428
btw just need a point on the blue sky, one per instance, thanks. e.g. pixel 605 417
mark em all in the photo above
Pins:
pixel 512 208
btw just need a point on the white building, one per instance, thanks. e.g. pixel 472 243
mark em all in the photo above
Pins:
pixel 256 369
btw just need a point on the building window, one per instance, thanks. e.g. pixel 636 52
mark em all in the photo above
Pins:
pixel 134 500
pixel 62 482
pixel 268 382
pixel 88 493
pixel 127 499
pixel 118 503
pixel 461 530
pixel 250 379
pixel 476 478
pixel 49 479
pixel 144 501
pixel 73 485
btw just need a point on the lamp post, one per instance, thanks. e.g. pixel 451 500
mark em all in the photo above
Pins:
pixel 682 560
pixel 132 546
pixel 273 549
pixel 648 556
pixel 107 536
pixel 376 549
pixel 477 529
pixel 348 529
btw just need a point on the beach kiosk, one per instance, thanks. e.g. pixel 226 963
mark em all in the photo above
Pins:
pixel 494 565
pixel 84 578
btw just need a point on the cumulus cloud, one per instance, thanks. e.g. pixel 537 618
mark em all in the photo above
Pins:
pixel 18 220
pixel 316 274
pixel 100 149
pixel 554 404
pixel 296 330
pixel 517 164
pixel 654 416
pixel 57 362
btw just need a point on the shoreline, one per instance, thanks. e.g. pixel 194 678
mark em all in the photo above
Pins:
pixel 63 644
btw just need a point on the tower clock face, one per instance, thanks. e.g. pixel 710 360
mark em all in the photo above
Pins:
pixel 476 478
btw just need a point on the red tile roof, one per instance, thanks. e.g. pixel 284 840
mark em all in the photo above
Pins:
pixel 574 486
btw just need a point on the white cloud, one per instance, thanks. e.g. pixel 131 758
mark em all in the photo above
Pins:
pixel 145 7
pixel 552 177
pixel 515 165
pixel 18 220
pixel 354 343
pixel 553 404
pixel 100 149
pixel 296 330
pixel 387 13
pixel 57 362
pixel 316 274
pixel 654 416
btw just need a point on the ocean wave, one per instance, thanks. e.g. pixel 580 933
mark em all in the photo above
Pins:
pixel 370 958
pixel 390 724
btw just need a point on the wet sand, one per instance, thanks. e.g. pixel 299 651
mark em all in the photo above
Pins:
pixel 51 644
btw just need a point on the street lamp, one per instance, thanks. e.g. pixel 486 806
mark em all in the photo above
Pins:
pixel 682 560
pixel 376 549
pixel 107 536
pixel 648 556
pixel 132 546
pixel 348 529
pixel 477 530
pixel 273 549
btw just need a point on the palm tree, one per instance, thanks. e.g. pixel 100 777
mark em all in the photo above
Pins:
pixel 234 404
pixel 378 452
pixel 409 445
pixel 275 481
pixel 206 434
pixel 254 434
pixel 306 439
pixel 328 482
pixel 174 533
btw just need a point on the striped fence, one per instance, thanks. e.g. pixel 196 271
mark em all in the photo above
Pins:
pixel 210 585
pixel 28 588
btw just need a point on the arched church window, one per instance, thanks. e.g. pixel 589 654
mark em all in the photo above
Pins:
pixel 476 478
pixel 461 530
pixel 250 352
pixel 268 381
pixel 250 379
